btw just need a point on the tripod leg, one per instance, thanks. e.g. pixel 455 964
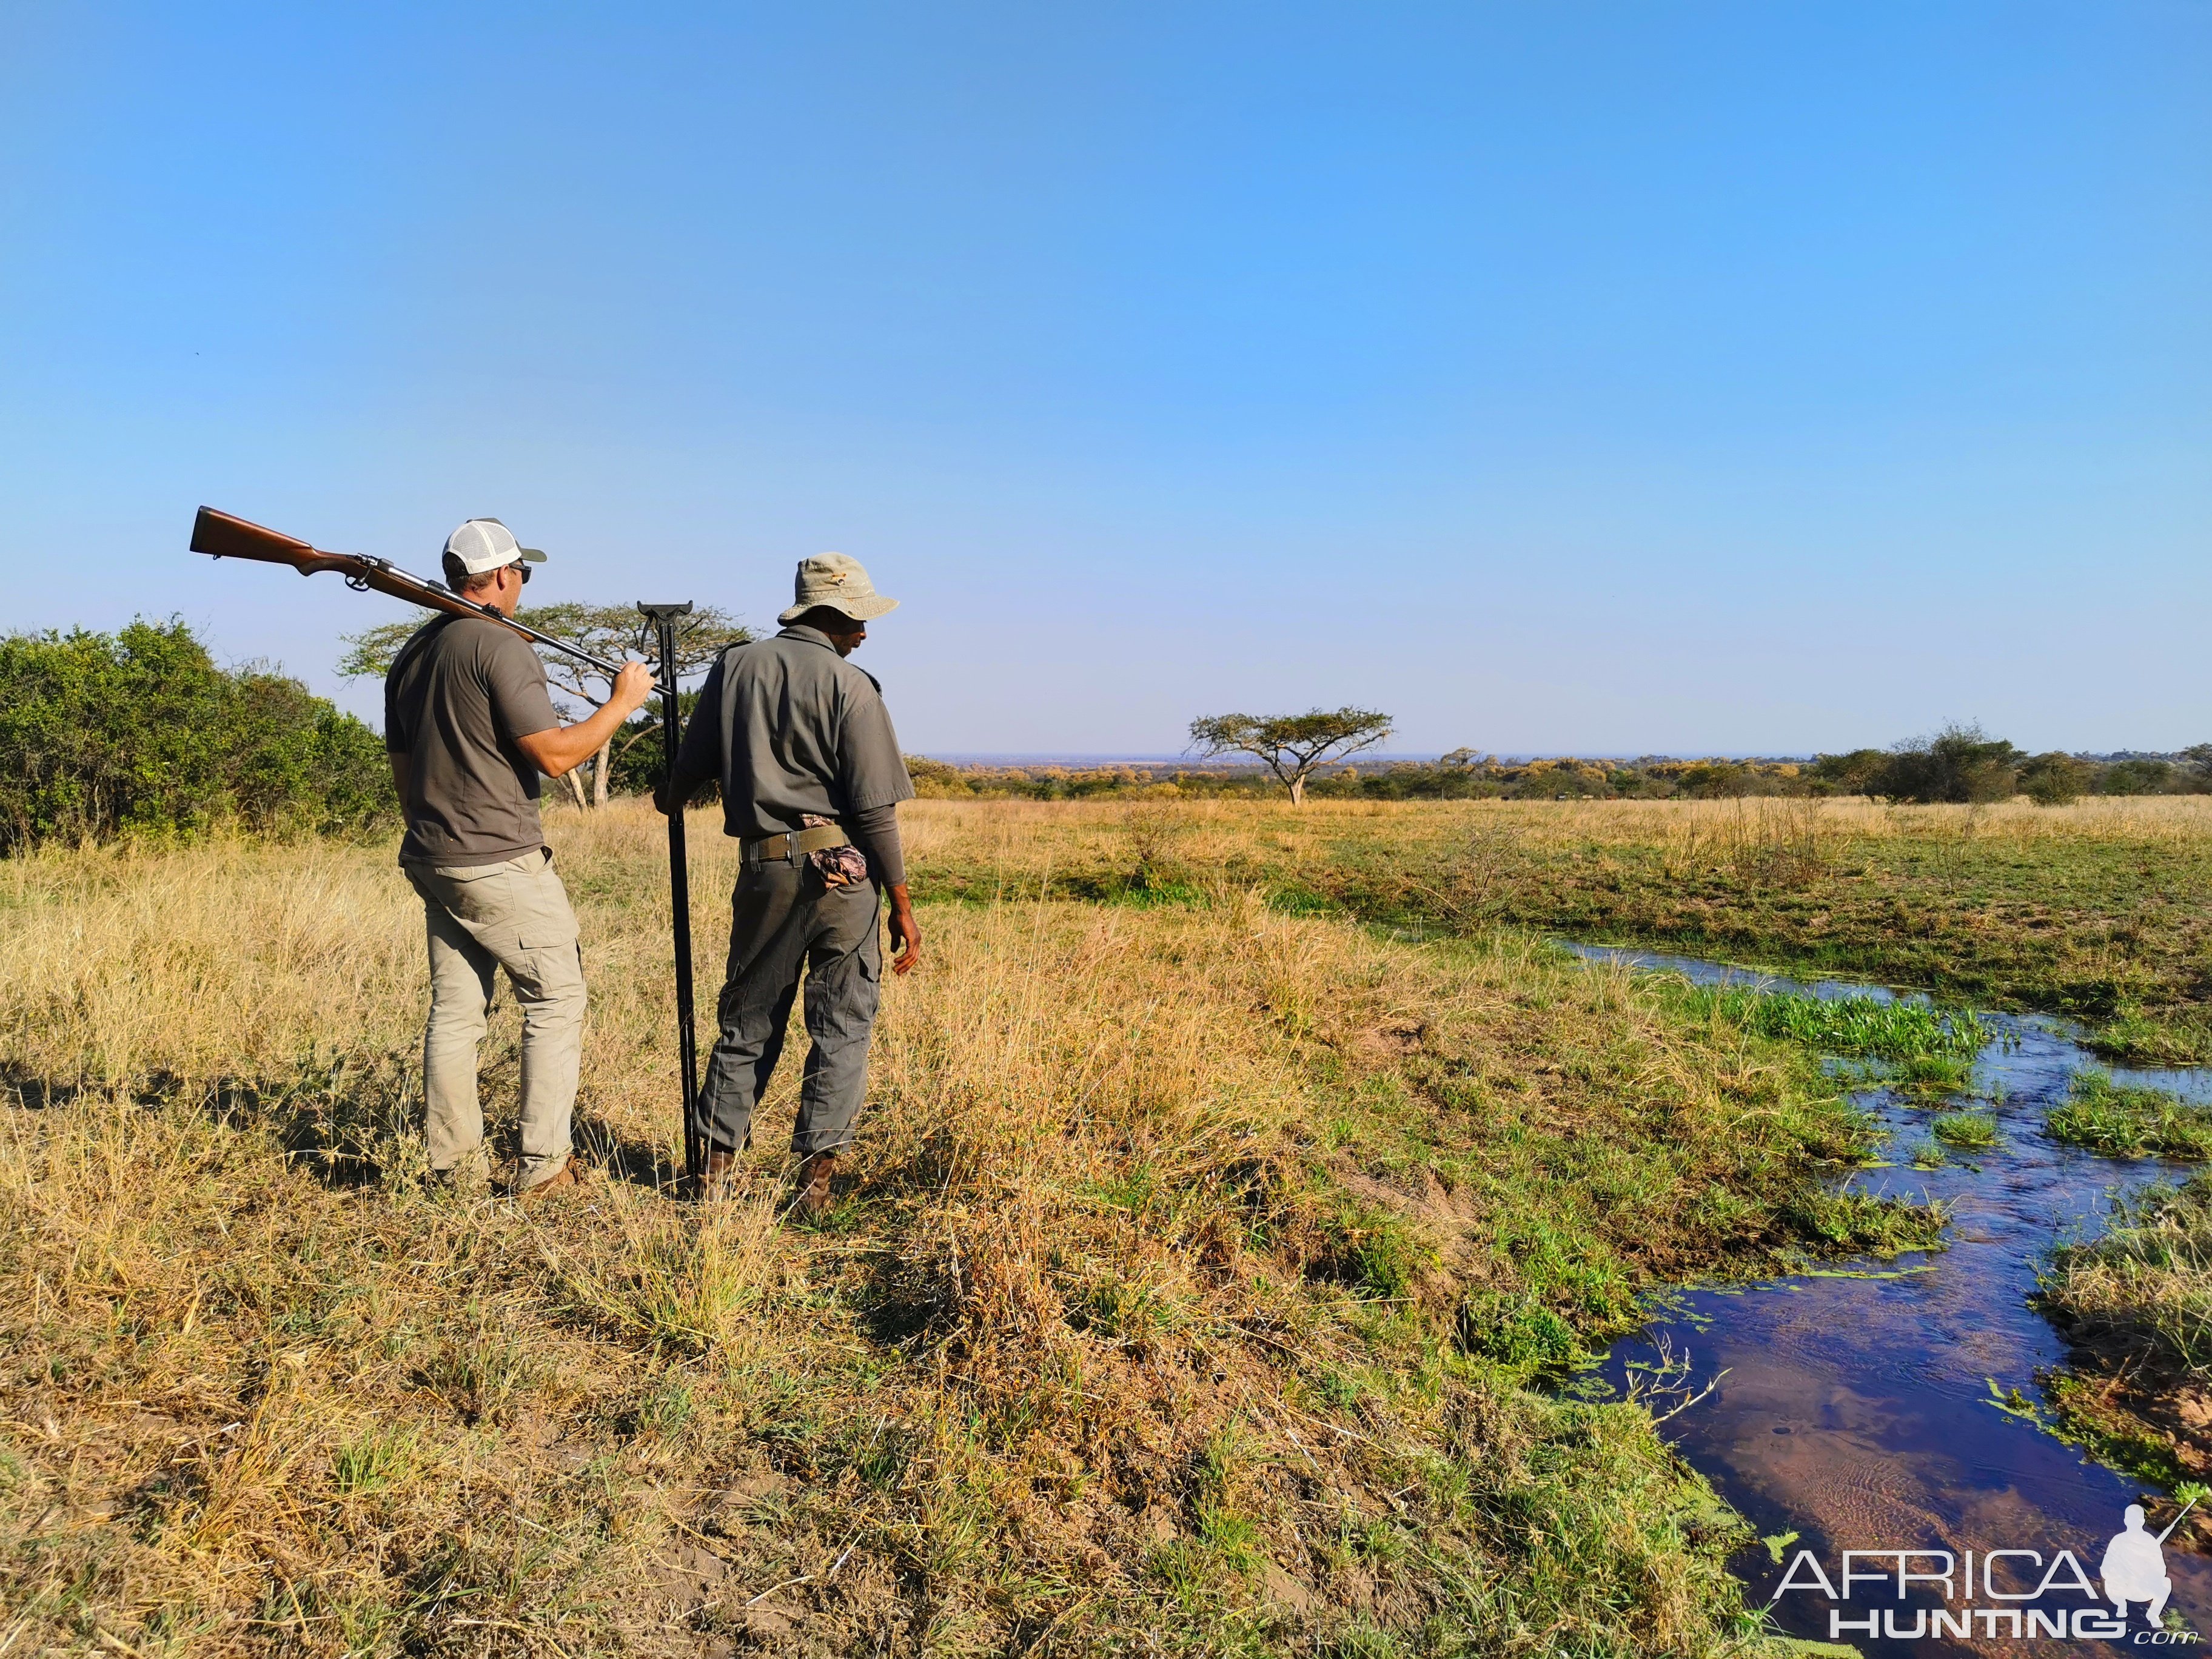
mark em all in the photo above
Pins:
pixel 679 893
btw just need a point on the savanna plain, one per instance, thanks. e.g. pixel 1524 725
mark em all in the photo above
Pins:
pixel 1240 1191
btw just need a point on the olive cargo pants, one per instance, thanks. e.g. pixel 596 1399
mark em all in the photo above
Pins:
pixel 782 919
pixel 480 919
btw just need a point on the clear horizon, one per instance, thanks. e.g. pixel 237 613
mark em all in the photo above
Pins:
pixel 1586 379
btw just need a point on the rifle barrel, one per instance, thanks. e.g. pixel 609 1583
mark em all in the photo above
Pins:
pixel 224 535
pixel 2176 1521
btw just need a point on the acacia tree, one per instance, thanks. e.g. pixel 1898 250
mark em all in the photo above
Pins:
pixel 605 630
pixel 1291 746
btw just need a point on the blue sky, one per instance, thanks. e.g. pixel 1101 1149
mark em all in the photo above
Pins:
pixel 1558 377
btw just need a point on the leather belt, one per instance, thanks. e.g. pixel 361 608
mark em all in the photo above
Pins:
pixel 769 849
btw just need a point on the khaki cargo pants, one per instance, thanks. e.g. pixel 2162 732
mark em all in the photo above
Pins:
pixel 480 919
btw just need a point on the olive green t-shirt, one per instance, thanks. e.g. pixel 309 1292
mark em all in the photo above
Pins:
pixel 459 693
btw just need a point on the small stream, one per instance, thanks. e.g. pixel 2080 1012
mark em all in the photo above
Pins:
pixel 1857 1412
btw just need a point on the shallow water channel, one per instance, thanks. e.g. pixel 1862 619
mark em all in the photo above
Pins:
pixel 1856 1412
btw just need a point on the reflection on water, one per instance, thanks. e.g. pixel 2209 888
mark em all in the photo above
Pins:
pixel 1856 1412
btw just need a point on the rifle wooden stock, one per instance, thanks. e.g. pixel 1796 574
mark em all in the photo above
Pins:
pixel 222 536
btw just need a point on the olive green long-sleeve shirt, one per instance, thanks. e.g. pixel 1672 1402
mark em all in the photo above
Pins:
pixel 791 728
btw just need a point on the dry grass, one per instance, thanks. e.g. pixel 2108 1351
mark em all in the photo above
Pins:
pixel 2093 910
pixel 1033 832
pixel 1198 1258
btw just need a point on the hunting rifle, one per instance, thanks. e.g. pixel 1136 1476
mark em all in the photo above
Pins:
pixel 223 536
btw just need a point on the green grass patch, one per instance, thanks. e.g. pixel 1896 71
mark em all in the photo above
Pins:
pixel 1370 1248
pixel 375 1460
pixel 1856 1223
pixel 1864 1027
pixel 2133 1037
pixel 2123 1122
pixel 1516 1331
pixel 1932 1074
pixel 2083 1413
pixel 2149 1276
pixel 1965 1130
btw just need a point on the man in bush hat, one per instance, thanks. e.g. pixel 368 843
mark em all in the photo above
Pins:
pixel 470 726
pixel 812 780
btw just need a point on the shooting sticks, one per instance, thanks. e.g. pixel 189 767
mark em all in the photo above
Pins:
pixel 660 621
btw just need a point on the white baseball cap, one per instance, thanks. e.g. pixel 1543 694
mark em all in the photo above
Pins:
pixel 483 544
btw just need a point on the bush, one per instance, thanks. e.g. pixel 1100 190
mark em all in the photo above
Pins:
pixel 106 734
pixel 2135 777
pixel 1715 781
pixel 2054 779
pixel 1853 773
pixel 1959 763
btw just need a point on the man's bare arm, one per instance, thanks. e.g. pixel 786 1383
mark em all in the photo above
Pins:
pixel 906 932
pixel 561 749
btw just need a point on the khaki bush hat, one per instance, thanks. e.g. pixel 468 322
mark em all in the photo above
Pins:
pixel 839 582
pixel 483 544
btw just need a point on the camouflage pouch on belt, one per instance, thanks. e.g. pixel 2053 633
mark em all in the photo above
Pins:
pixel 839 867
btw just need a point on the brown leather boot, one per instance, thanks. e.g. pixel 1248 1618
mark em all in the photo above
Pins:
pixel 814 1173
pixel 720 1179
pixel 559 1181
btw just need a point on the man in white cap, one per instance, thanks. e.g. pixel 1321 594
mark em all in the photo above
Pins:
pixel 811 779
pixel 470 727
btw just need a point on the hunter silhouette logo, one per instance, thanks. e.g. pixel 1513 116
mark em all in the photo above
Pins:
pixel 1978 1595
pixel 2134 1567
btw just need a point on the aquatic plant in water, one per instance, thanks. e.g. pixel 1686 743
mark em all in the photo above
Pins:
pixel 1926 1155
pixel 1965 1129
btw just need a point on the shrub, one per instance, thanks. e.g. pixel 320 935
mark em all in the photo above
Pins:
pixel 2135 777
pixel 140 731
pixel 1854 773
pixel 1715 781
pixel 2054 779
pixel 1959 763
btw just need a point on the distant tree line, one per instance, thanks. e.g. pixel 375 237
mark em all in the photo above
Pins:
pixel 140 731
pixel 1962 763
pixel 1959 763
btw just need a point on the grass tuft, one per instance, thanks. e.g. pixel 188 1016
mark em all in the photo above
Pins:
pixel 2123 1122
pixel 373 1461
pixel 1874 1028
pixel 1968 1131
